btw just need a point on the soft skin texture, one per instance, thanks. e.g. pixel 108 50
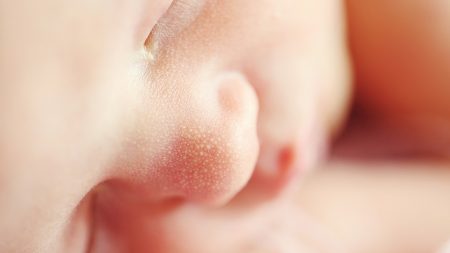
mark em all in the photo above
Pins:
pixel 98 134
pixel 109 147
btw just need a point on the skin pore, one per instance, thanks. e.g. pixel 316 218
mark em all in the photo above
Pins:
pixel 116 112
pixel 184 126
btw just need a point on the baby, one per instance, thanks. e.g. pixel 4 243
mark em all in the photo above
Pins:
pixel 112 110
pixel 120 118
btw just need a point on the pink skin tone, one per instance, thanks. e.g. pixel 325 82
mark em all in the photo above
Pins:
pixel 98 134
pixel 125 125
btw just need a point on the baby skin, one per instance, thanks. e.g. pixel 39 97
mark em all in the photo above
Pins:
pixel 133 126
pixel 117 112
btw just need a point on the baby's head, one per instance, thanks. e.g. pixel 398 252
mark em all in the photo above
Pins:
pixel 151 100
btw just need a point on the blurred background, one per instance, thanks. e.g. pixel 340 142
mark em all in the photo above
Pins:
pixel 386 187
